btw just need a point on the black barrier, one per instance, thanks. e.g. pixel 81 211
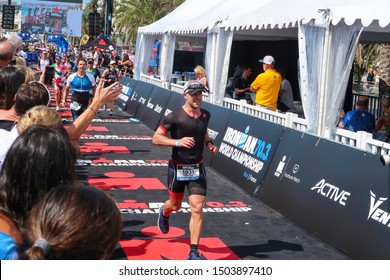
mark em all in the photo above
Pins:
pixel 128 87
pixel 217 125
pixel 155 107
pixel 137 101
pixel 247 147
pixel 176 100
pixel 341 194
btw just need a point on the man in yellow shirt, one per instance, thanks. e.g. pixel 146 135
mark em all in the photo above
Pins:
pixel 267 84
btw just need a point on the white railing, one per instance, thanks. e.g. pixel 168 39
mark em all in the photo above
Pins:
pixel 360 140
pixel 286 119
pixel 177 88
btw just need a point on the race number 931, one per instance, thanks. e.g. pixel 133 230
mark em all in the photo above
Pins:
pixel 245 270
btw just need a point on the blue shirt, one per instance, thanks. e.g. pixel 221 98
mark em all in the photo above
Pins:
pixel 8 248
pixel 359 120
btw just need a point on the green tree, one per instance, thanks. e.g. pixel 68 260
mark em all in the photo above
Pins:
pixel 131 14
pixel 384 69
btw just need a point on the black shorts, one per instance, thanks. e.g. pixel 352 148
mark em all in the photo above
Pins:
pixel 76 114
pixel 176 187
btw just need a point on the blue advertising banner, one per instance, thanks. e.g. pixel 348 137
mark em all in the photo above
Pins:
pixel 128 87
pixel 341 194
pixel 246 149
pixel 51 17
pixel 138 98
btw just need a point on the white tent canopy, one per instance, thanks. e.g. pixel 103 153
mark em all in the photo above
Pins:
pixel 198 16
pixel 327 33
pixel 282 14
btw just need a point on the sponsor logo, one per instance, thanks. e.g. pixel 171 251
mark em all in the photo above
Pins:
pixel 295 168
pixel 158 109
pixel 125 93
pixel 134 96
pixel 212 133
pixel 123 97
pixel 250 177
pixel 150 105
pixel 377 214
pixel 281 170
pixel 141 208
pixel 331 192
pixel 121 162
pixel 110 121
pixel 142 100
pixel 167 111
pixel 115 137
pixel 245 149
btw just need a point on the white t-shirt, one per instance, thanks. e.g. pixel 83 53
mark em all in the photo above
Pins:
pixel 95 59
pixel 44 63
pixel 7 138
pixel 287 97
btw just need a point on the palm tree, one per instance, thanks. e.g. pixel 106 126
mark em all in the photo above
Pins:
pixel 131 14
pixel 384 69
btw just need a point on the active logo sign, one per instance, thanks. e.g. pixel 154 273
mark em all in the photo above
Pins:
pixel 331 192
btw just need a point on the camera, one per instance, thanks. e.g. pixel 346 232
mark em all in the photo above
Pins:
pixel 385 160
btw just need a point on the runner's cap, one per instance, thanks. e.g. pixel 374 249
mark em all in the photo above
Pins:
pixel 193 87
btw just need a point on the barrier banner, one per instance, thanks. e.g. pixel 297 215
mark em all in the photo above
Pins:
pixel 341 194
pixel 246 149
pixel 137 101
pixel 176 100
pixel 128 87
pixel 217 124
pixel 155 106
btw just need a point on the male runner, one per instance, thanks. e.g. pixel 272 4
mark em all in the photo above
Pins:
pixel 188 130
pixel 81 82
pixel 60 74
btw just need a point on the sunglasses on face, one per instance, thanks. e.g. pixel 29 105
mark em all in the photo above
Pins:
pixel 196 86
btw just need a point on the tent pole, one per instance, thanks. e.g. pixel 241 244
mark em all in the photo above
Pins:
pixel 322 108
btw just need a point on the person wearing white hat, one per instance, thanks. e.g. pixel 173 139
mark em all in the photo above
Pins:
pixel 44 61
pixel 267 85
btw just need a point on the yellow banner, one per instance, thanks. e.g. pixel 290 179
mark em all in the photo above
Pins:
pixel 84 39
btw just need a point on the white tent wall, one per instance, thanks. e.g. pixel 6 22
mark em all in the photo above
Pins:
pixel 166 63
pixel 327 68
pixel 218 49
pixel 144 46
pixel 326 56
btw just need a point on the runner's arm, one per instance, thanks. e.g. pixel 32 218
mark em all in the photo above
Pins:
pixel 210 145
pixel 160 138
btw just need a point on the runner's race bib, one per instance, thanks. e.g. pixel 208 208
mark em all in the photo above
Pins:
pixel 75 106
pixel 187 172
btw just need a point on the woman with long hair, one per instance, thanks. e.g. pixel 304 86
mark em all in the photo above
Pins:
pixel 53 232
pixel 40 159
